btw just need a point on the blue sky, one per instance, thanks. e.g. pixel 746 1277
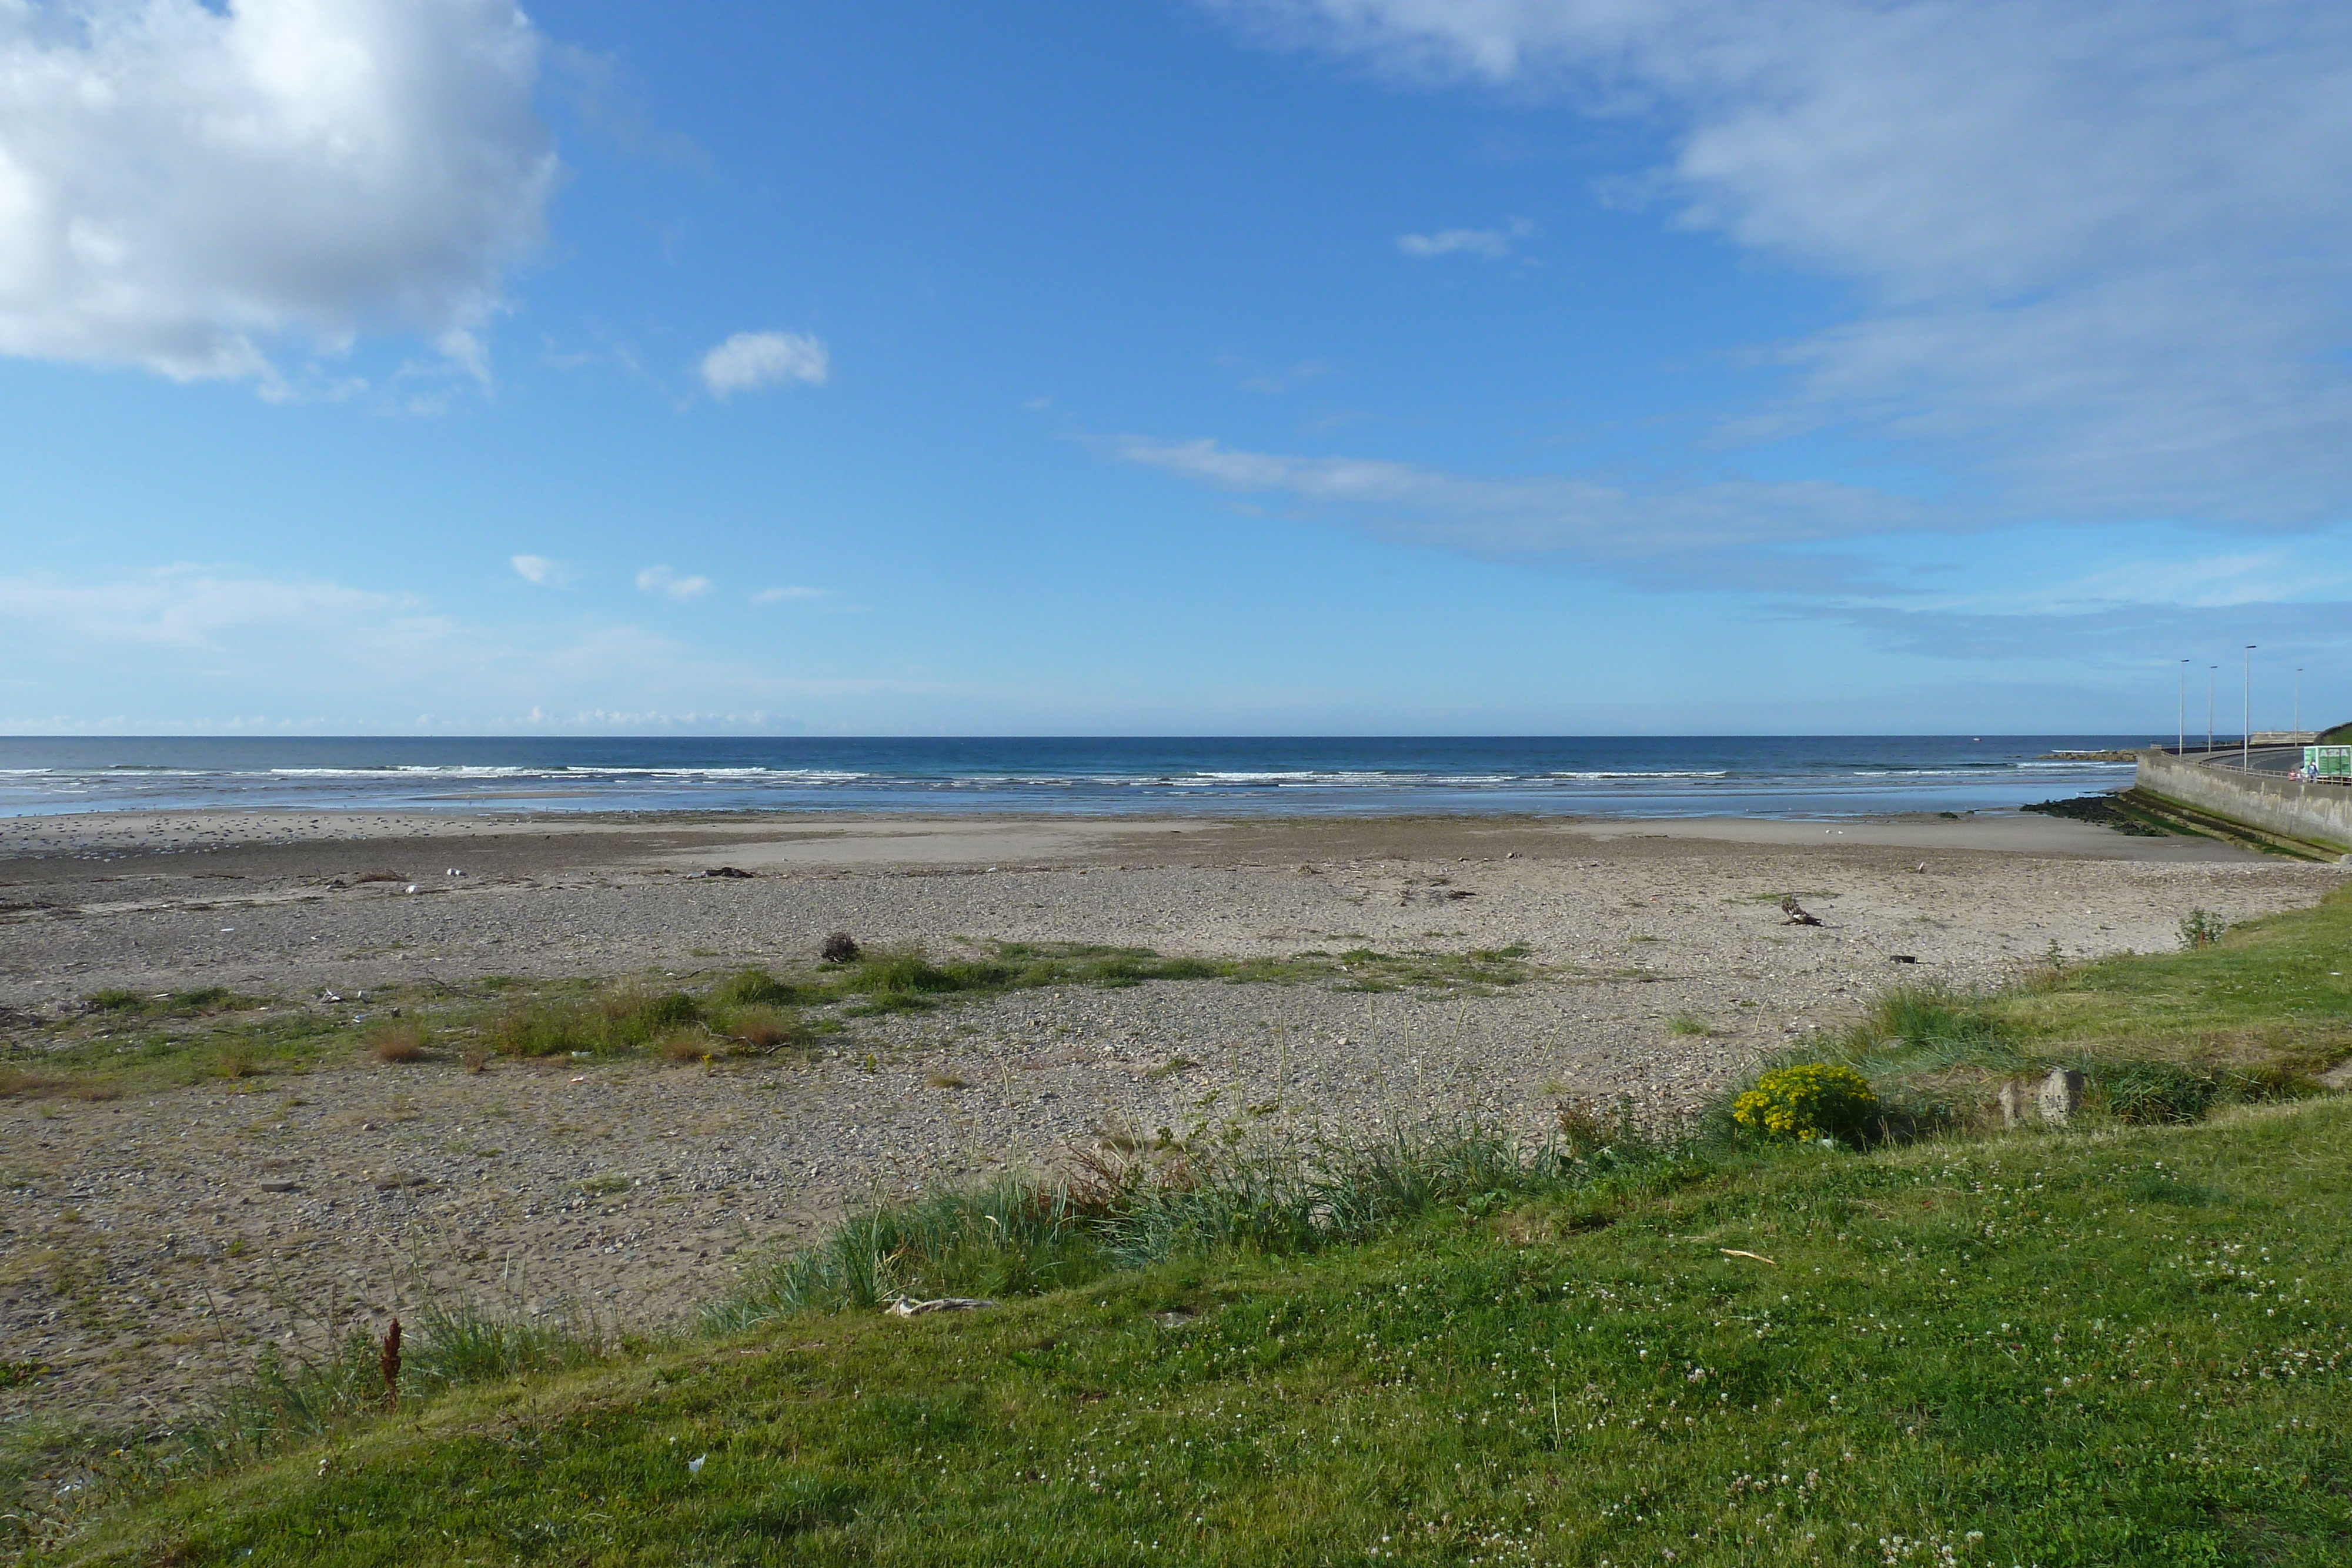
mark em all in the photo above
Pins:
pixel 1246 366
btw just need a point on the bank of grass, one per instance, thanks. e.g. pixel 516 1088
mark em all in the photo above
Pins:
pixel 2251 1013
pixel 2062 1349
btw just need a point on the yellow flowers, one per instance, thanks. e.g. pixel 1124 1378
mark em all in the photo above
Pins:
pixel 1814 1100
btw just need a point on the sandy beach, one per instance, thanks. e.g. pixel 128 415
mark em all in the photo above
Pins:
pixel 155 1240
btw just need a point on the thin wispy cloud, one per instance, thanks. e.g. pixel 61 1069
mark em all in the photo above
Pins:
pixel 750 360
pixel 2099 256
pixel 538 568
pixel 1493 245
pixel 665 581
pixel 1693 535
pixel 789 595
pixel 194 189
pixel 304 646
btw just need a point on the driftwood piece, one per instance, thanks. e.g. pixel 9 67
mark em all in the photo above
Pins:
pixel 1796 912
pixel 905 1308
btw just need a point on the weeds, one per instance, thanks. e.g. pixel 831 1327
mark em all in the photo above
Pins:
pixel 622 1022
pixel 404 1041
pixel 199 1002
pixel 2198 929
pixel 1026 1236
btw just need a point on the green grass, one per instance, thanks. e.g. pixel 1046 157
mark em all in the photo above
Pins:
pixel 2251 1013
pixel 125 1043
pixel 2125 1342
pixel 2118 1350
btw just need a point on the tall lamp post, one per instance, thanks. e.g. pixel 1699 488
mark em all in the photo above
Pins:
pixel 2181 741
pixel 2246 735
pixel 2298 701
pixel 2209 678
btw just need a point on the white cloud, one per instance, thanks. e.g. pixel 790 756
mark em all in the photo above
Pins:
pixel 1495 245
pixel 748 361
pixel 663 581
pixel 183 187
pixel 782 595
pixel 536 568
pixel 2101 255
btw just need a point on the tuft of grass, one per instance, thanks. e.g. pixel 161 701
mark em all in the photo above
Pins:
pixel 686 1046
pixel 404 1040
pixel 756 988
pixel 764 1031
pixel 1688 1023
pixel 622 1022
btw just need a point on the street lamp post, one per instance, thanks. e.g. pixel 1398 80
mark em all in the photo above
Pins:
pixel 2209 678
pixel 2246 734
pixel 2181 740
pixel 2298 701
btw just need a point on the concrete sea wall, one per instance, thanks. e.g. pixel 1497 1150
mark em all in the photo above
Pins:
pixel 2317 813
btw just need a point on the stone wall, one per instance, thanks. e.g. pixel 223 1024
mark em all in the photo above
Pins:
pixel 2318 814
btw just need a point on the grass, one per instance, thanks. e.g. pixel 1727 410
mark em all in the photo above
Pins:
pixel 2249 1013
pixel 2124 1343
pixel 403 1040
pixel 2127 1349
pixel 123 1041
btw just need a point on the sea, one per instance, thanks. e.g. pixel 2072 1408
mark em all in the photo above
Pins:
pixel 1817 775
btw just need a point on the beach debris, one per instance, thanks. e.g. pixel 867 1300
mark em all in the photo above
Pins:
pixel 840 947
pixel 1735 1252
pixel 723 871
pixel 1306 870
pixel 694 1466
pixel 906 1307
pixel 1796 912
pixel 1921 866
pixel 2060 1096
pixel 278 1187
pixel 453 874
pixel 412 887
pixel 1903 957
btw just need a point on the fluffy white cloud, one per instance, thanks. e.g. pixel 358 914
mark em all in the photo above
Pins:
pixel 182 187
pixel 1493 243
pixel 2101 255
pixel 661 580
pixel 536 569
pixel 748 361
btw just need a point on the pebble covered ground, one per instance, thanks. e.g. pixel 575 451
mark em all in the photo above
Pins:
pixel 153 1241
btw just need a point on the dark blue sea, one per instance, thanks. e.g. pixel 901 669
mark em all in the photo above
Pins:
pixel 1672 775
